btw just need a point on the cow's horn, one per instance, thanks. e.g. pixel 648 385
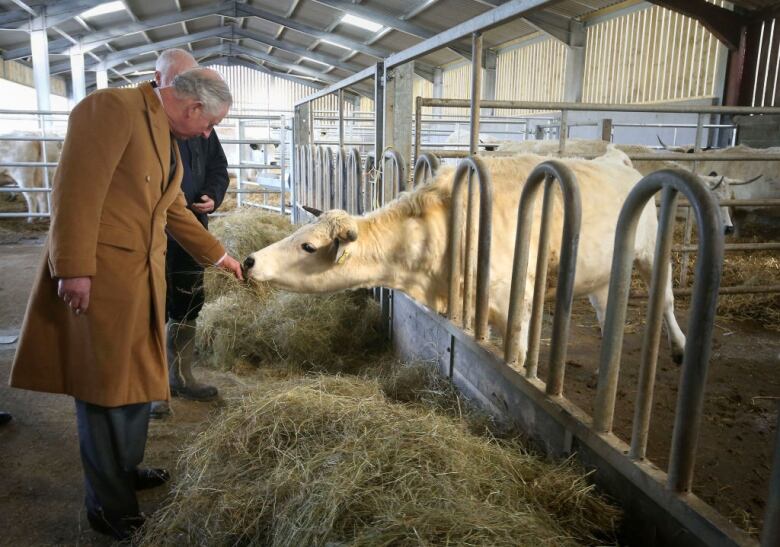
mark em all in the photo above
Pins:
pixel 720 181
pixel 662 143
pixel 311 210
pixel 749 181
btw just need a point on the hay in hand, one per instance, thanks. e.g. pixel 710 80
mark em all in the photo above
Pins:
pixel 329 461
pixel 242 232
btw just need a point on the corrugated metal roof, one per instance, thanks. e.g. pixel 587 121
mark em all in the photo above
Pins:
pixel 287 30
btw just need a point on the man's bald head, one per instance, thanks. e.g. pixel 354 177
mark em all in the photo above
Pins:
pixel 170 64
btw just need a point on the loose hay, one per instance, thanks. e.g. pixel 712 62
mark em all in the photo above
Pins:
pixel 332 333
pixel 330 461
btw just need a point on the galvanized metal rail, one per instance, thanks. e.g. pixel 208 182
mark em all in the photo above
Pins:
pixel 517 325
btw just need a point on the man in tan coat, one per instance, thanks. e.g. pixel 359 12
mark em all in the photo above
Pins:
pixel 95 324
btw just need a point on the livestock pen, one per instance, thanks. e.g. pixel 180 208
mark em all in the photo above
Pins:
pixel 658 503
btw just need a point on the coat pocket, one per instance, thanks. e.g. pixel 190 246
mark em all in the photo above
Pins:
pixel 119 237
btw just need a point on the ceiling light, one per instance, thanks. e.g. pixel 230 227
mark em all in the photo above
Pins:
pixel 335 44
pixel 102 9
pixel 360 22
pixel 314 61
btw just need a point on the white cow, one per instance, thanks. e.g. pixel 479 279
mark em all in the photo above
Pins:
pixel 404 244
pixel 722 186
pixel 28 177
pixel 461 136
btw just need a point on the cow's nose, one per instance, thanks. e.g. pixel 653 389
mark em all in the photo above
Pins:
pixel 249 262
pixel 728 230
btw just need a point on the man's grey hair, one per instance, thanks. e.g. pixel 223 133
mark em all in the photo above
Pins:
pixel 173 57
pixel 201 85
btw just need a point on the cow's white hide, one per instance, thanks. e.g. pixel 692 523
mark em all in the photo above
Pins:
pixel 404 244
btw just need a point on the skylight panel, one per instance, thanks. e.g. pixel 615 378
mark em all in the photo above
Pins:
pixel 103 9
pixel 360 22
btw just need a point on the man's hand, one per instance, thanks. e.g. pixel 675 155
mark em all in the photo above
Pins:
pixel 205 205
pixel 232 265
pixel 74 291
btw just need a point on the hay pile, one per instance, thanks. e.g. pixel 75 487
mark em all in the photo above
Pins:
pixel 330 461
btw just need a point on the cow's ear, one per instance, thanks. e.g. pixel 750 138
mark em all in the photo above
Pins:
pixel 348 234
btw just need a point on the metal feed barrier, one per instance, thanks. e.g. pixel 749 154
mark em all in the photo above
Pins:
pixel 657 507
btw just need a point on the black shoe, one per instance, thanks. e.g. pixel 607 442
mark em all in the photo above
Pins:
pixel 120 529
pixel 198 392
pixel 5 418
pixel 150 478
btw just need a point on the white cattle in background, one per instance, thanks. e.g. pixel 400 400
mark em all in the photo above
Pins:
pixel 461 136
pixel 404 245
pixel 722 187
pixel 28 177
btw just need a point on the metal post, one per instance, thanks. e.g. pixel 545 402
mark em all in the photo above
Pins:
pixel 101 77
pixel 689 216
pixel 282 164
pixel 77 73
pixel 417 127
pixel 540 281
pixel 340 96
pixel 652 333
pixel 39 45
pixel 469 265
pixel 241 158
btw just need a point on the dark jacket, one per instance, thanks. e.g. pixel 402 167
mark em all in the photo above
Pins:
pixel 208 166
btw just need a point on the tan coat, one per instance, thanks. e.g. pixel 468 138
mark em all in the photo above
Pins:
pixel 111 201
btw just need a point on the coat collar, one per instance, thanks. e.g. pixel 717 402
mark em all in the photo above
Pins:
pixel 161 132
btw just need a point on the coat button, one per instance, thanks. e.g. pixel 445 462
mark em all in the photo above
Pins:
pixel 148 178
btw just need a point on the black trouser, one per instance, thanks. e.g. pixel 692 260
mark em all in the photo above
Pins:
pixel 112 442
pixel 184 276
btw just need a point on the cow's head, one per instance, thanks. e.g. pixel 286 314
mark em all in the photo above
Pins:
pixel 316 258
pixel 722 187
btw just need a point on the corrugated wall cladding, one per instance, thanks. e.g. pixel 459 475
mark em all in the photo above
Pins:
pixel 765 88
pixel 456 84
pixel 256 91
pixel 534 72
pixel 650 55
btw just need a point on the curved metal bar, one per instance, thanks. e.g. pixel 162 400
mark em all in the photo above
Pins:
pixel 425 168
pixel 340 186
pixel 319 178
pixel 327 179
pixel 366 197
pixel 701 318
pixel 477 166
pixel 546 172
pixel 354 186
pixel 399 172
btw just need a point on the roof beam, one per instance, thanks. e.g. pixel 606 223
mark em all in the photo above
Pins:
pixel 113 59
pixel 232 60
pixel 256 54
pixel 246 10
pixel 388 20
pixel 298 50
pixel 96 39
pixel 557 26
pixel 724 24
pixel 58 12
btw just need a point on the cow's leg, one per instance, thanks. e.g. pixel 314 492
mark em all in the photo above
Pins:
pixel 598 299
pixel 675 334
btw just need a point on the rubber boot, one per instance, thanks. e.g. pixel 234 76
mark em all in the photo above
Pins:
pixel 181 351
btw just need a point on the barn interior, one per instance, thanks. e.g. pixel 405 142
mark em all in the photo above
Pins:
pixel 344 104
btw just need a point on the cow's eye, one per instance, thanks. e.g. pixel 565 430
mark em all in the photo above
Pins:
pixel 308 247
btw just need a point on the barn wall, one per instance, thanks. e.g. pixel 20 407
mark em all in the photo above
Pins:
pixel 766 91
pixel 22 74
pixel 649 56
